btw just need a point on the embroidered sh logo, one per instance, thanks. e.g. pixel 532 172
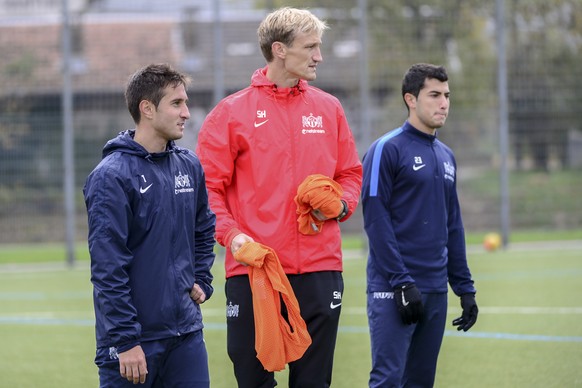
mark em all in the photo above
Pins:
pixel 334 303
pixel 261 118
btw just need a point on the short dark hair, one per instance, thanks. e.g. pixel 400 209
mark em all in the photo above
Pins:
pixel 417 74
pixel 148 83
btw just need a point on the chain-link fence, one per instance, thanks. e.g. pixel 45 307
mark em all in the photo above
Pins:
pixel 216 43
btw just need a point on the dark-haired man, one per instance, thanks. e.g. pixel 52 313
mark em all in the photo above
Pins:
pixel 151 238
pixel 416 237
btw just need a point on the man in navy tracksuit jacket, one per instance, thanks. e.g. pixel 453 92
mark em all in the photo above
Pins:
pixel 416 238
pixel 151 239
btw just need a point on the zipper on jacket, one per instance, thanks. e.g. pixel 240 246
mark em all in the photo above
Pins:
pixel 168 174
pixel 294 157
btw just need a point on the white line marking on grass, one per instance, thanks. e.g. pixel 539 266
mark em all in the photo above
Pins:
pixel 485 335
pixel 14 295
pixel 529 310
pixel 211 326
pixel 512 336
pixel 48 316
pixel 45 321
pixel 22 296
pixel 58 266
pixel 474 334
pixel 519 310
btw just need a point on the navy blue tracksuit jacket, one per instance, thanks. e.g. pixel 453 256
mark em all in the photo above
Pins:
pixel 412 215
pixel 151 237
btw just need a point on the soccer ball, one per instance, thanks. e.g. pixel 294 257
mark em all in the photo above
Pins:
pixel 491 241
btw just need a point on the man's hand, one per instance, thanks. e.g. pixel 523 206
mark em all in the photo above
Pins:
pixel 197 294
pixel 318 214
pixel 132 365
pixel 470 311
pixel 238 241
pixel 409 302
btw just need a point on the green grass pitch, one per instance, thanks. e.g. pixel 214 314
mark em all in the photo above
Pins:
pixel 528 333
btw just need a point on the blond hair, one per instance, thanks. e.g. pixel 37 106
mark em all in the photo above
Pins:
pixel 283 24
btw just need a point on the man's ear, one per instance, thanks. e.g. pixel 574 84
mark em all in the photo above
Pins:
pixel 410 100
pixel 279 50
pixel 147 109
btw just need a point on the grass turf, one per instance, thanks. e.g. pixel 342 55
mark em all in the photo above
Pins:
pixel 38 253
pixel 528 333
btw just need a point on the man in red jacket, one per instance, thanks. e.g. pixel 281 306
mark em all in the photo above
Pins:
pixel 257 146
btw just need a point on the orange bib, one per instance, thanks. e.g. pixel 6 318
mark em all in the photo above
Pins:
pixel 278 341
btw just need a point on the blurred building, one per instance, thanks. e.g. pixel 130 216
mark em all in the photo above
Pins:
pixel 109 40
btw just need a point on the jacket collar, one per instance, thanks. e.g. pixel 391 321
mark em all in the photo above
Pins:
pixel 407 127
pixel 259 79
pixel 125 143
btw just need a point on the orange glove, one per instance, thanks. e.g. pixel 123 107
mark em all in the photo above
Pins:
pixel 317 192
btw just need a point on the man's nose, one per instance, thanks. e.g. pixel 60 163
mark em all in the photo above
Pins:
pixel 185 112
pixel 317 57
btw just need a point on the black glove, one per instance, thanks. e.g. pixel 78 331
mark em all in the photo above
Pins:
pixel 409 302
pixel 470 311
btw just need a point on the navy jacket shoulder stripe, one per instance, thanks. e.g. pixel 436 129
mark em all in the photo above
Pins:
pixel 374 174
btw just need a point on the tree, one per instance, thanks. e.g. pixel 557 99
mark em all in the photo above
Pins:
pixel 544 83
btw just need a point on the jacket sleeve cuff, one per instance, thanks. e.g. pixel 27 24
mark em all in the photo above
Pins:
pixel 349 207
pixel 208 289
pixel 344 212
pixel 229 236
pixel 126 346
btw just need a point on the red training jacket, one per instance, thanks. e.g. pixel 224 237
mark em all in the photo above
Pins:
pixel 256 147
